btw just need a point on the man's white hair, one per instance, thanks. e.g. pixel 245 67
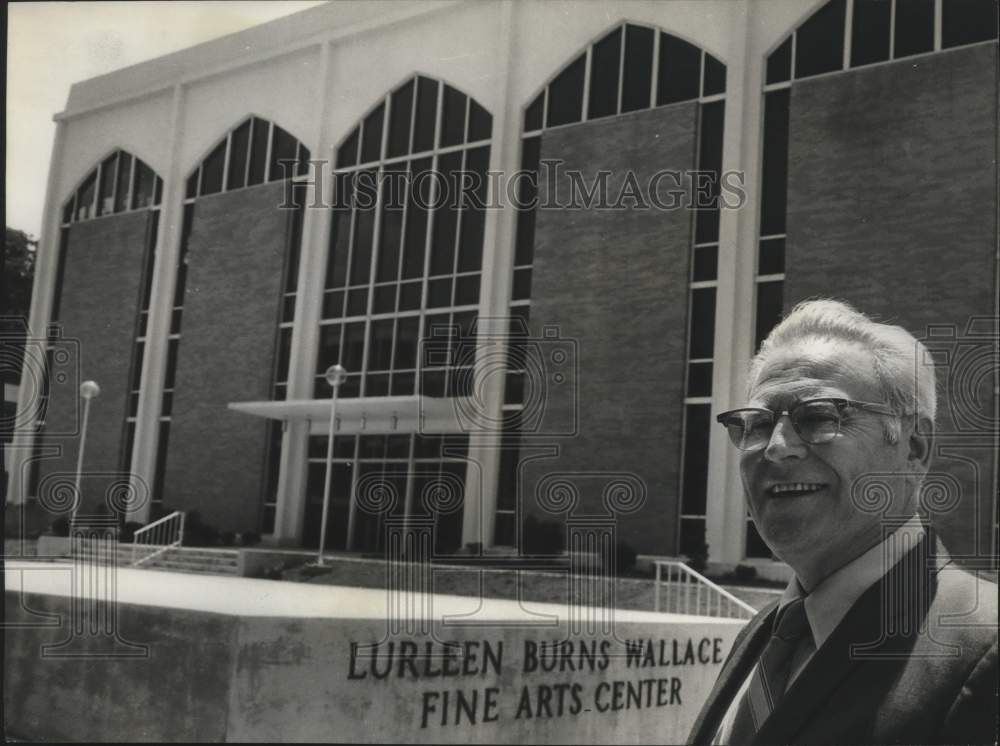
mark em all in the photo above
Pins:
pixel 902 365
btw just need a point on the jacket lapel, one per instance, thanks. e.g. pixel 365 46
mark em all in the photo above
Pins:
pixel 746 649
pixel 883 622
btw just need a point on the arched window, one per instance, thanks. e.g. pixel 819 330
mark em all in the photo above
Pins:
pixel 406 245
pixel 631 68
pixel 404 263
pixel 838 36
pixel 841 35
pixel 254 152
pixel 611 77
pixel 120 183
pixel 651 68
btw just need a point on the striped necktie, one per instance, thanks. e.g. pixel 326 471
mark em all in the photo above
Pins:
pixel 770 675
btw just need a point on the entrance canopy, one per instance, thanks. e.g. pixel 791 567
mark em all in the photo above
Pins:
pixel 375 415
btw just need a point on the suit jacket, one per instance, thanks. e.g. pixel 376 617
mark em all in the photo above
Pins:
pixel 914 661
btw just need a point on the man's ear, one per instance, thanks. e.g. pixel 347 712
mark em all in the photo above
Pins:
pixel 921 444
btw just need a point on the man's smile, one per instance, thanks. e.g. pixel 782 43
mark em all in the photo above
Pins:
pixel 793 489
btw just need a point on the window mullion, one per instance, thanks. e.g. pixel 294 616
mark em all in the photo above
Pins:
pixel 376 238
pixel 413 118
pixel 246 166
pixel 408 491
pixel 588 63
pixel 94 206
pixel 655 77
pixel 892 29
pixel 225 161
pixel 429 233
pixel 848 32
pixel 131 185
pixel 791 69
pixel 114 183
pixel 267 157
pixel 701 74
pixel 351 509
pixel 458 228
pixel 938 25
pixel 621 71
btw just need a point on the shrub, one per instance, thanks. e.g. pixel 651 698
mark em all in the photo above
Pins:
pixel 745 573
pixel 248 539
pixel 625 556
pixel 128 532
pixel 60 526
pixel 698 556
pixel 27 520
pixel 546 538
pixel 271 572
pixel 197 533
pixel 12 528
pixel 471 549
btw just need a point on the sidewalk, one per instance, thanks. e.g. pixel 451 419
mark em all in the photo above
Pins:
pixel 270 598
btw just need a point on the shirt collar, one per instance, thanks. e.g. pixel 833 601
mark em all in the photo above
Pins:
pixel 830 601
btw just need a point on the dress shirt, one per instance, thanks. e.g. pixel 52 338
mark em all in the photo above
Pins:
pixel 830 601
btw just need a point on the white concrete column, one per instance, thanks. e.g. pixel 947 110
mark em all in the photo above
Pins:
pixel 161 305
pixel 479 518
pixel 734 315
pixel 39 315
pixel 293 470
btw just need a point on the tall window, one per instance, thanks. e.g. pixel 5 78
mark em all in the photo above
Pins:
pixel 631 68
pixel 120 183
pixel 838 36
pixel 404 264
pixel 283 353
pixel 255 152
pixel 842 34
pixel 703 287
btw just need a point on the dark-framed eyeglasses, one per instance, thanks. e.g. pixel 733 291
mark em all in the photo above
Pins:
pixel 815 421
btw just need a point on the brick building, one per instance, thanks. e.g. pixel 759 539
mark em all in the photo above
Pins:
pixel 507 355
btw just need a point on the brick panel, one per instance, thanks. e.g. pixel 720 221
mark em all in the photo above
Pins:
pixel 892 207
pixel 215 461
pixel 99 302
pixel 615 282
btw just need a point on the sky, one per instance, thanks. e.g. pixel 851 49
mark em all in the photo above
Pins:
pixel 51 45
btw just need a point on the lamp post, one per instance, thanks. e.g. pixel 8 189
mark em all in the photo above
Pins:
pixel 88 390
pixel 335 376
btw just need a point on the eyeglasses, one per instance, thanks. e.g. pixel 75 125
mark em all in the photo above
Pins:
pixel 815 421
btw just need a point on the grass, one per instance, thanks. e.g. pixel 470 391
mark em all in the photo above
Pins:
pixel 528 585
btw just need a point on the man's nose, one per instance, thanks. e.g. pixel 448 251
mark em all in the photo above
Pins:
pixel 785 443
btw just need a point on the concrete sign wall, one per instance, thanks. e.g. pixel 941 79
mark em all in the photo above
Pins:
pixel 333 668
pixel 314 681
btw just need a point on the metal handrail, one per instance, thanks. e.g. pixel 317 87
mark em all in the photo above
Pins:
pixel 717 600
pixel 164 534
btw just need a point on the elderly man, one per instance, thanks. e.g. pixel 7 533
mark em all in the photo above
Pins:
pixel 879 638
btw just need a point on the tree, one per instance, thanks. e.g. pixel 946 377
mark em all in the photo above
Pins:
pixel 17 271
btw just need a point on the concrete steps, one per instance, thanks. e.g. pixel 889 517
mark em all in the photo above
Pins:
pixel 185 559
pixel 176 559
